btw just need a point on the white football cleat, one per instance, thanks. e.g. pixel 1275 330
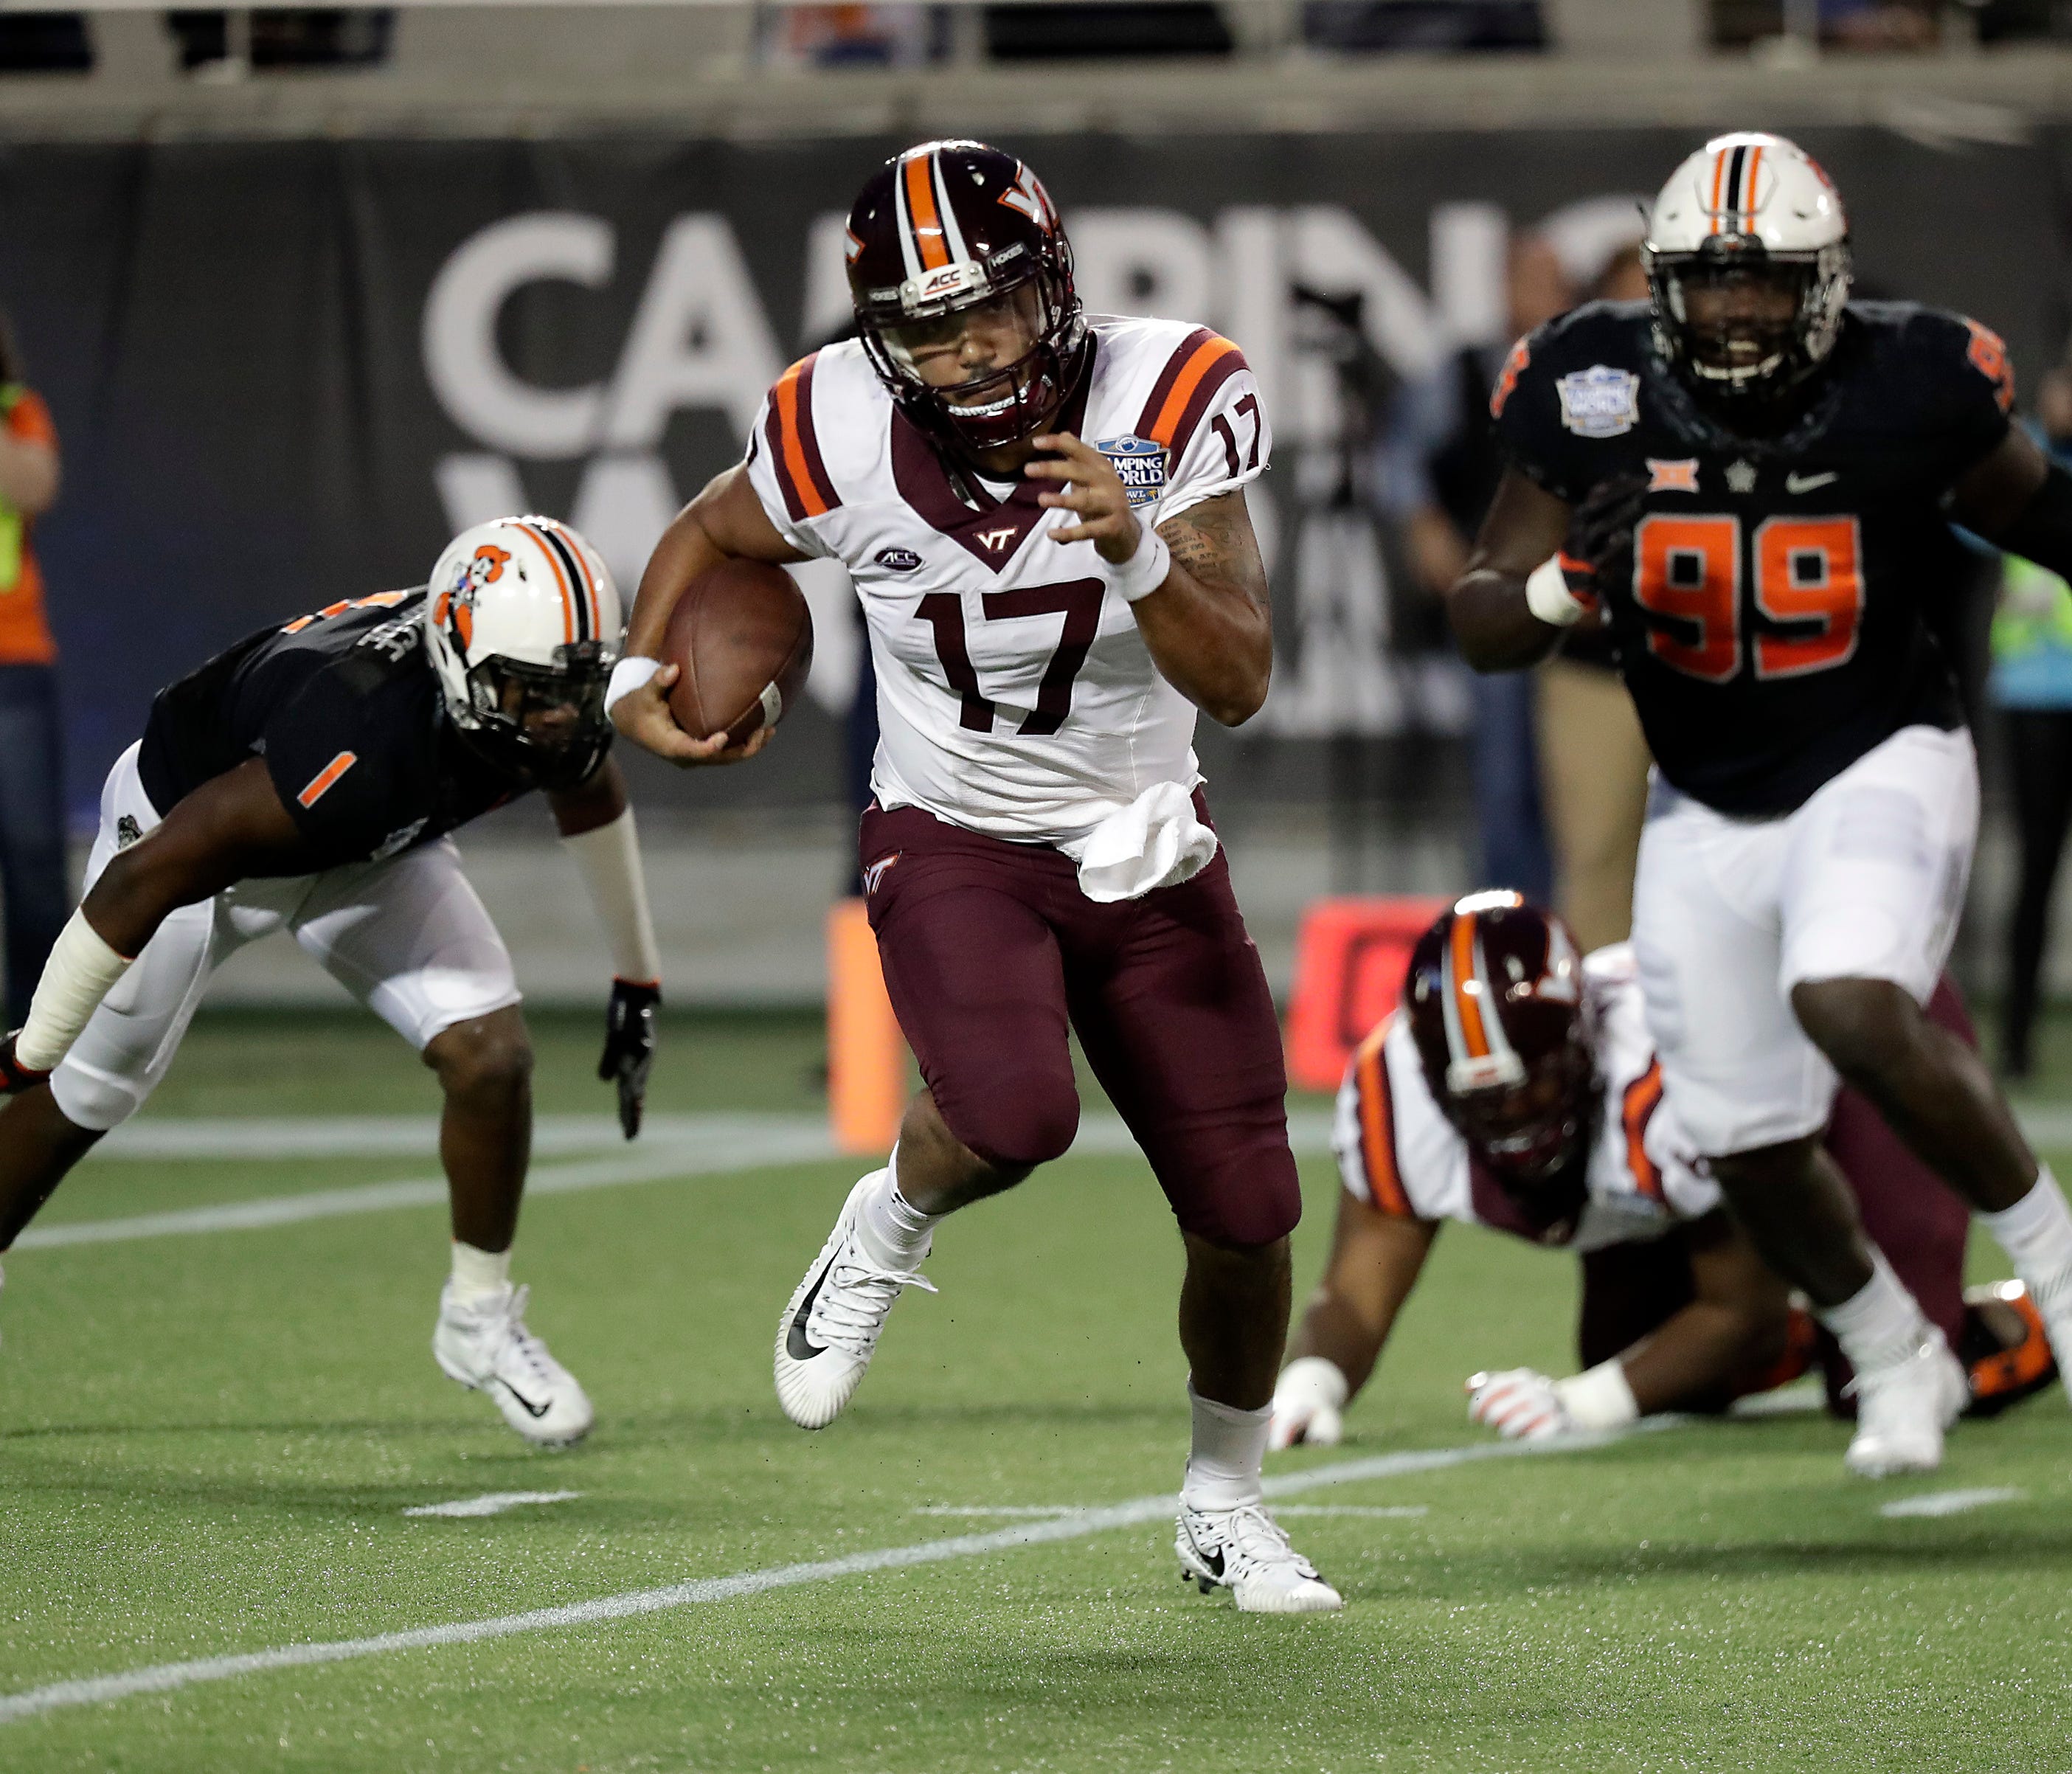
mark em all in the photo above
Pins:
pixel 2052 1298
pixel 1246 1552
pixel 1903 1408
pixel 832 1322
pixel 485 1345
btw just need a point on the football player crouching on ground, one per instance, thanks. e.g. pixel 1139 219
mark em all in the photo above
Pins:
pixel 1043 514
pixel 1515 1088
pixel 1754 476
pixel 307 780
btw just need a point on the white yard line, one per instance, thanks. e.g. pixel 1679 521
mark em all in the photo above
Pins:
pixel 496 1503
pixel 678 1145
pixel 163 1677
pixel 1950 1502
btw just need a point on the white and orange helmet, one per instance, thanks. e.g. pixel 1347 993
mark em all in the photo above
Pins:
pixel 1749 205
pixel 522 622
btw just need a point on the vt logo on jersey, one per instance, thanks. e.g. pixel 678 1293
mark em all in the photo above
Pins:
pixel 997 539
pixel 1141 464
pixel 1600 401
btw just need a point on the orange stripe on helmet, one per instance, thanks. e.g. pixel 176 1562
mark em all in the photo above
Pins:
pixel 1467 993
pixel 791 432
pixel 1211 351
pixel 561 579
pixel 574 544
pixel 1377 1113
pixel 1719 176
pixel 921 209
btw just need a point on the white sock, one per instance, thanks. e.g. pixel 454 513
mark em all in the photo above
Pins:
pixel 1880 1323
pixel 894 1231
pixel 2037 1233
pixel 1229 1448
pixel 479 1275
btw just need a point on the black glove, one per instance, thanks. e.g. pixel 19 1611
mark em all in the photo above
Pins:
pixel 1602 530
pixel 15 1077
pixel 629 1047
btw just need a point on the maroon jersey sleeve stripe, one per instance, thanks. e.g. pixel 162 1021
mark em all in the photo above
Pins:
pixel 795 446
pixel 1162 388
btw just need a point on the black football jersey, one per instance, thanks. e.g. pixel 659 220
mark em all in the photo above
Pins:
pixel 1770 619
pixel 345 707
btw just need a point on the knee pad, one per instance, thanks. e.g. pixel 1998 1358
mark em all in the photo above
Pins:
pixel 89 1100
pixel 1251 1198
pixel 1026 1119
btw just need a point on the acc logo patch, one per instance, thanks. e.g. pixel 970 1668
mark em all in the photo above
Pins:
pixel 897 559
pixel 1600 401
pixel 1140 462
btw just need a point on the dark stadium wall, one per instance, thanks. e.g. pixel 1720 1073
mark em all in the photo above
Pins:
pixel 282 372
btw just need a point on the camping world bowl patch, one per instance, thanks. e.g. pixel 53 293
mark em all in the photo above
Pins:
pixel 1140 462
pixel 1600 401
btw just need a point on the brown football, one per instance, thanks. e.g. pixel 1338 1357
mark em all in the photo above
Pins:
pixel 744 638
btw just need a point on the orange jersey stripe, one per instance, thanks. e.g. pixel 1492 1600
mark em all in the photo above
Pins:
pixel 561 579
pixel 1642 1097
pixel 321 784
pixel 1466 1001
pixel 790 431
pixel 921 209
pixel 1210 352
pixel 1377 1111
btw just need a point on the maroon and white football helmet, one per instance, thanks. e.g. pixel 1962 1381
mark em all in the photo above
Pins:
pixel 1497 1005
pixel 944 228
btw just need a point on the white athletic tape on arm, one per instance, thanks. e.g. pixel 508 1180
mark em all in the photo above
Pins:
pixel 1548 596
pixel 609 856
pixel 628 675
pixel 1146 570
pixel 1599 1398
pixel 81 971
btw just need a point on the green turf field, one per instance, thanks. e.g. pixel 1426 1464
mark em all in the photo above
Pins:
pixel 208 1440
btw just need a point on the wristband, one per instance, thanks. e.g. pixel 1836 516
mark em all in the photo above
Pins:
pixel 82 970
pixel 628 675
pixel 1145 571
pixel 1547 595
pixel 609 857
pixel 1599 1398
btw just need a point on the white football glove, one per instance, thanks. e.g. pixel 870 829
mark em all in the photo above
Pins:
pixel 1518 1404
pixel 1307 1403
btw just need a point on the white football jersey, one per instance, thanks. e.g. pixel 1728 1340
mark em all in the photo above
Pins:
pixel 1398 1151
pixel 1015 694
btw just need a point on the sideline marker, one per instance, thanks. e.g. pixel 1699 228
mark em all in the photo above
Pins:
pixel 866 1055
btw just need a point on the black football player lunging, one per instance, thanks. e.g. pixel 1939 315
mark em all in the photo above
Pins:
pixel 1753 478
pixel 307 779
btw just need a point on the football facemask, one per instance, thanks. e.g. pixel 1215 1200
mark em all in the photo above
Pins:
pixel 954 245
pixel 522 622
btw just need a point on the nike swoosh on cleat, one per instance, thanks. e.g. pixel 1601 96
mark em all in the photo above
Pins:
pixel 530 1409
pixel 1214 1561
pixel 795 1343
pixel 1805 483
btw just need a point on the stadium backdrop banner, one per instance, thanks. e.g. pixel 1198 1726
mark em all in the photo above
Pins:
pixel 283 373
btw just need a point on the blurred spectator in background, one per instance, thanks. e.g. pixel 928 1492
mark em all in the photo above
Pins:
pixel 889 35
pixel 33 887
pixel 1594 761
pixel 1438 468
pixel 2032 682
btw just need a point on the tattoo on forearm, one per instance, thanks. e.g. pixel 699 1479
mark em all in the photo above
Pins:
pixel 1211 541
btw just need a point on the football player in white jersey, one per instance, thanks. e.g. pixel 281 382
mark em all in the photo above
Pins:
pixel 1517 1088
pixel 1043 513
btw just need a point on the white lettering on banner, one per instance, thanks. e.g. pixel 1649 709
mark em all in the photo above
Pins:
pixel 1143 261
pixel 700 338
pixel 468 373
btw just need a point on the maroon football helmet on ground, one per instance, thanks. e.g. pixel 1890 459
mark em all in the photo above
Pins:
pixel 1504 1027
pixel 940 230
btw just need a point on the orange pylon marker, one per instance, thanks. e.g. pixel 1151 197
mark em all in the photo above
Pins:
pixel 866 1054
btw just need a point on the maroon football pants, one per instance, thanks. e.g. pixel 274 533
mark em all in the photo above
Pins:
pixel 992 955
pixel 1909 1211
